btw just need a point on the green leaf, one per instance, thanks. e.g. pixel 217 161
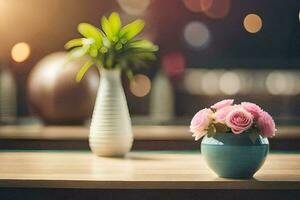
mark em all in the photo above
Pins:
pixel 109 60
pixel 74 43
pixel 145 56
pixel 83 70
pixel 131 30
pixel 78 52
pixel 93 51
pixel 211 131
pixel 90 31
pixel 115 23
pixel 221 128
pixel 103 50
pixel 129 74
pixel 253 135
pixel 106 28
pixel 133 51
pixel 123 41
pixel 112 46
pixel 143 45
pixel 88 41
pixel 137 63
pixel 118 46
pixel 106 42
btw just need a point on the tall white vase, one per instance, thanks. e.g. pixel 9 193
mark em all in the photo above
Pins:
pixel 110 131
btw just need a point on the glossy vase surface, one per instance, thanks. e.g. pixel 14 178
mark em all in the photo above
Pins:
pixel 110 131
pixel 234 156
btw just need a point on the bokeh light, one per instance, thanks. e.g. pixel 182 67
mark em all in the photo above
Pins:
pixel 297 82
pixel 210 82
pixel 173 63
pixel 198 5
pixel 246 81
pixel 192 81
pixel 282 83
pixel 259 81
pixel 230 83
pixel 292 84
pixel 196 34
pixel 134 7
pixel 276 83
pixel 218 9
pixel 20 52
pixel 140 86
pixel 252 23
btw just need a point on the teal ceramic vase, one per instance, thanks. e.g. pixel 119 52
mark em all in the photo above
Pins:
pixel 234 156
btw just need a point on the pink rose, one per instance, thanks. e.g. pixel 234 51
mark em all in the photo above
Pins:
pixel 200 123
pixel 222 104
pixel 239 120
pixel 221 114
pixel 199 134
pixel 252 108
pixel 266 125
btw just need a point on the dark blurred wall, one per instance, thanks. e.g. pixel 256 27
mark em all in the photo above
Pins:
pixel 47 24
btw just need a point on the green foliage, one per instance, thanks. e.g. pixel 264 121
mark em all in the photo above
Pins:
pixel 211 131
pixel 253 134
pixel 221 128
pixel 131 30
pixel 217 128
pixel 83 70
pixel 112 46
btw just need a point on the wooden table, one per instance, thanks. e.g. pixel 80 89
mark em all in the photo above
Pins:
pixel 59 172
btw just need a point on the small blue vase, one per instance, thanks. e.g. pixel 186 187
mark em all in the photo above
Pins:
pixel 234 156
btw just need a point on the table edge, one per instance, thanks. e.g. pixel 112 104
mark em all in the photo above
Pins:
pixel 219 185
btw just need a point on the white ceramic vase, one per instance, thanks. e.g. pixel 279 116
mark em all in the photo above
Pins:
pixel 110 131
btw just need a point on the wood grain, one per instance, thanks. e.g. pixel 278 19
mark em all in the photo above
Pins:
pixel 151 170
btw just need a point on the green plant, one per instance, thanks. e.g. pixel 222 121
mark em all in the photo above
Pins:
pixel 112 47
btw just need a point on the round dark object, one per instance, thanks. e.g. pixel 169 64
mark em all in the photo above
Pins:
pixel 55 96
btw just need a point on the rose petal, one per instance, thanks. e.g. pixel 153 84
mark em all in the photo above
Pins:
pixel 222 104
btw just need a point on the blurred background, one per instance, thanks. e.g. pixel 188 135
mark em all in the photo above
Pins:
pixel 209 50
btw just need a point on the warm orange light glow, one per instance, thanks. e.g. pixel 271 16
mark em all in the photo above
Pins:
pixel 198 5
pixel 252 23
pixel 20 52
pixel 141 85
pixel 217 9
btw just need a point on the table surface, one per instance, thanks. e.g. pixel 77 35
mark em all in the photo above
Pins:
pixel 142 170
